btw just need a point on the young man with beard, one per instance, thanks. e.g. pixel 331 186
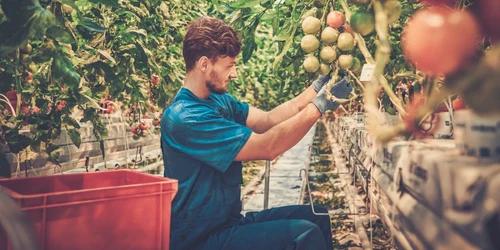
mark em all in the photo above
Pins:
pixel 206 134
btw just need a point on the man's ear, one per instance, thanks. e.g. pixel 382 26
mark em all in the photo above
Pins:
pixel 203 63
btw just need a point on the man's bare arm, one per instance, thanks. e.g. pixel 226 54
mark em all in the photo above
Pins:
pixel 280 138
pixel 261 121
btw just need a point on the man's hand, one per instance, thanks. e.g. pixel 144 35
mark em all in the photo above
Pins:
pixel 320 82
pixel 340 90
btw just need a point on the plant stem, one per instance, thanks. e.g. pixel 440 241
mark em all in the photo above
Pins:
pixel 325 10
pixel 356 80
pixel 383 51
pixel 383 54
pixel 18 82
pixel 361 42
pixel 2 97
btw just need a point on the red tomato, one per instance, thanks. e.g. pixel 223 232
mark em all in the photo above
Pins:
pixel 450 3
pixel 155 79
pixel 441 108
pixel 28 77
pixel 439 39
pixel 458 104
pixel 134 130
pixel 11 95
pixel 35 110
pixel 156 122
pixel 143 126
pixel 489 17
pixel 109 109
pixel 335 19
pixel 59 107
pixel 25 110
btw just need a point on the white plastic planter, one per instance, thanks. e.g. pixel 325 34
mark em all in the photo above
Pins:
pixel 482 137
pixel 462 118
pixel 442 123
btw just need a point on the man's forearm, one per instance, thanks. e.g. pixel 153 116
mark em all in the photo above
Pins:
pixel 288 109
pixel 288 133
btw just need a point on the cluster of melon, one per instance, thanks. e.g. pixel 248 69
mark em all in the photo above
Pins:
pixel 334 46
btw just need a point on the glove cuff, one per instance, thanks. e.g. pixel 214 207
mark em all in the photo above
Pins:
pixel 320 82
pixel 318 105
pixel 323 105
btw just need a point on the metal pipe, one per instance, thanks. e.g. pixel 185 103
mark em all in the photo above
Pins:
pixel 351 196
pixel 266 184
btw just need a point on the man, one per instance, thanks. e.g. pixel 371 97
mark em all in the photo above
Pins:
pixel 206 134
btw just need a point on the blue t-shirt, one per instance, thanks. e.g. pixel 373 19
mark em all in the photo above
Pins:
pixel 200 139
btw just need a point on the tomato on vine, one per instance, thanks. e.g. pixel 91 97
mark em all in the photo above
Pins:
pixel 363 22
pixel 439 39
pixel 155 79
pixel 156 122
pixel 143 126
pixel 335 19
pixel 450 3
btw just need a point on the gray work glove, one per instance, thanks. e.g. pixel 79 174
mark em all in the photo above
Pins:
pixel 320 82
pixel 341 90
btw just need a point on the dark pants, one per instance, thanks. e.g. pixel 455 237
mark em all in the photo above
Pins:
pixel 290 227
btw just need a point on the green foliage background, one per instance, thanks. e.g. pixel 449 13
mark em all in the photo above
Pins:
pixel 109 49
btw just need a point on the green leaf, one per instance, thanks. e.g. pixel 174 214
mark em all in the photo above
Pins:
pixel 72 122
pixel 14 33
pixel 72 4
pixel 286 47
pixel 17 142
pixel 45 53
pixel 20 11
pixel 116 88
pixel 63 69
pixel 101 145
pixel 90 25
pixel 275 24
pixel 137 31
pixel 58 33
pixel 126 47
pixel 4 165
pixel 54 152
pixel 109 73
pixel 164 9
pixel 240 4
pixel 112 3
pixel 107 55
pixel 248 48
pixel 75 137
pixel 6 79
pixel 266 3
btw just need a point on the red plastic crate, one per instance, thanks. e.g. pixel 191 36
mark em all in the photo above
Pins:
pixel 110 210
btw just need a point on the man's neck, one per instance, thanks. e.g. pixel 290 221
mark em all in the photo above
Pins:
pixel 197 85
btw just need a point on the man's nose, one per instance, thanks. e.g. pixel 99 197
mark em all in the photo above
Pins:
pixel 233 73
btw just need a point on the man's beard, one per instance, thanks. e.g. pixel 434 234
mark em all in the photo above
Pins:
pixel 213 87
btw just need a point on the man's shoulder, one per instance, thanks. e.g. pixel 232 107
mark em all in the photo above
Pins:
pixel 183 111
pixel 225 97
pixel 228 100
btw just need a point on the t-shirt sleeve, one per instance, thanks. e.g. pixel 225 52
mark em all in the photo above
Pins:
pixel 212 139
pixel 240 110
